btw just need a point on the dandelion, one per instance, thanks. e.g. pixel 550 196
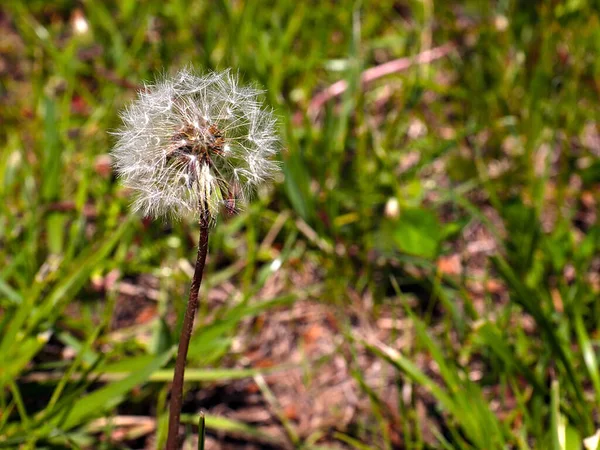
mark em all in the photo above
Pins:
pixel 195 145
pixel 192 146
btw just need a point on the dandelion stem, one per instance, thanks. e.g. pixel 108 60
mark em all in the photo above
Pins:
pixel 186 334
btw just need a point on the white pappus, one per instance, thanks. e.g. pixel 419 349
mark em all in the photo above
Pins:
pixel 192 145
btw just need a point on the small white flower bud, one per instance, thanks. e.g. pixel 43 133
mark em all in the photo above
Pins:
pixel 392 208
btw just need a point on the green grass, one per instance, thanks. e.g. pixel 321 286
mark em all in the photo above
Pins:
pixel 498 139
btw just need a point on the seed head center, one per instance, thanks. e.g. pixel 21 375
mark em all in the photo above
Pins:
pixel 200 143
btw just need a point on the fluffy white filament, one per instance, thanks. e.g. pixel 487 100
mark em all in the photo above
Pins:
pixel 192 144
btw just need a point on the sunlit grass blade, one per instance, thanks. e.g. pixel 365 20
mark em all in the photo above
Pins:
pixel 235 427
pixel 110 395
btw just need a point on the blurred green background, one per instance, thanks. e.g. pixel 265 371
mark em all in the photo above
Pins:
pixel 425 274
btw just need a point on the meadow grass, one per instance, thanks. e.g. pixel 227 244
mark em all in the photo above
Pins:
pixel 459 197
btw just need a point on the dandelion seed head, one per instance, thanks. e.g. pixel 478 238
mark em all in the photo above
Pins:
pixel 192 145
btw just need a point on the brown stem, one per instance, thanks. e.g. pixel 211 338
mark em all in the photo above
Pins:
pixel 184 339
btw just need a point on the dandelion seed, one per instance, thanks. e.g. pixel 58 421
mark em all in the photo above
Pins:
pixel 193 145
